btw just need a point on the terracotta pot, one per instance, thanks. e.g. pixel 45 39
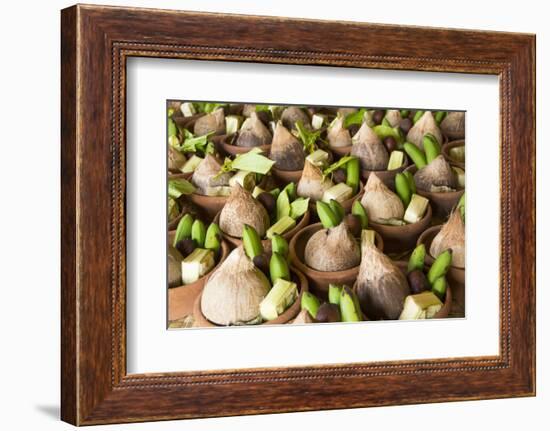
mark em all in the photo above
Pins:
pixel 398 239
pixel 179 175
pixel 341 151
pixel 442 202
pixel 446 152
pixel 387 177
pixel 455 275
pixel 445 310
pixel 182 298
pixel 285 177
pixel 234 150
pixel 288 315
pixel 210 204
pixel 266 243
pixel 320 280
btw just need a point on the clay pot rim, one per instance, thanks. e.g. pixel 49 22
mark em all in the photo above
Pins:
pixel 235 150
pixel 348 202
pixel 389 227
pixel 277 170
pixel 288 315
pixel 422 240
pixel 448 146
pixel 302 266
pixel 223 255
pixel 401 168
pixel 428 194
pixel 304 220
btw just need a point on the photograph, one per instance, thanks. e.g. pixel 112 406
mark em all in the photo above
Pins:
pixel 287 214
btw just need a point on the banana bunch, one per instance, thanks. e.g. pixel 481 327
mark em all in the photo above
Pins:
pixel 420 158
pixel 288 209
pixel 415 205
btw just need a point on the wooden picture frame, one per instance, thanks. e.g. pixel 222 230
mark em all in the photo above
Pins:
pixel 96 41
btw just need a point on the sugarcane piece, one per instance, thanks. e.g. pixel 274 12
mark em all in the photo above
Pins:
pixel 318 158
pixel 232 124
pixel 421 305
pixel 396 160
pixel 416 209
pixel 188 109
pixel 246 179
pixel 340 192
pixel 197 264
pixel 284 224
pixel 368 236
pixel 318 121
pixel 191 164
pixel 280 297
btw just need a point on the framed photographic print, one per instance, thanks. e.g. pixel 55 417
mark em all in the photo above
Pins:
pixel 328 222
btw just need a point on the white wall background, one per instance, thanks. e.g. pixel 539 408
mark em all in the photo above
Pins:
pixel 29 214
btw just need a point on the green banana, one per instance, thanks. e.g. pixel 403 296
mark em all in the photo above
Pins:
pixel 348 306
pixel 385 122
pixel 416 155
pixel 290 190
pixel 440 116
pixel 353 174
pixel 283 205
pixel 326 215
pixel 212 239
pixel 404 113
pixel 358 210
pixel 338 209
pixel 416 261
pixel 334 292
pixel 251 242
pixel 279 245
pixel 278 268
pixel 417 116
pixel 198 233
pixel 440 266
pixel 183 231
pixel 432 149
pixel 310 303
pixel 410 179
pixel 403 189
pixel 439 287
pixel 275 192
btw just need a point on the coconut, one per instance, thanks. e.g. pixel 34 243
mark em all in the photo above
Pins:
pixel 346 111
pixel 332 249
pixel 206 175
pixel 312 184
pixel 303 317
pixel 393 116
pixel 453 125
pixel 436 174
pixel 291 115
pixel 370 150
pixel 248 109
pixel 286 150
pixel 380 202
pixel 214 122
pixel 337 134
pixel 240 209
pixel 426 124
pixel 451 236
pixel 233 293
pixel 381 286
pixel 174 267
pixel 253 133
pixel 176 160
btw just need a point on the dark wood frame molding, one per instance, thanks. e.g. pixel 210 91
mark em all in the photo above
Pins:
pixel 95 43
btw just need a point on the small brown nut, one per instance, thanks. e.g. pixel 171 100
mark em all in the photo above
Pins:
pixel 339 176
pixel 353 223
pixel 390 143
pixel 378 116
pixel 405 124
pixel 418 282
pixel 268 201
pixel 186 246
pixel 328 313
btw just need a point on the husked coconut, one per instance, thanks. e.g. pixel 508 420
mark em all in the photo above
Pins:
pixel 312 184
pixel 286 150
pixel 242 208
pixel 370 150
pixel 451 236
pixel 380 203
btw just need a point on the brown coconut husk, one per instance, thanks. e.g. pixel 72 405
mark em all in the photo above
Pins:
pixel 286 150
pixel 253 133
pixel 381 286
pixel 174 267
pixel 426 124
pixel 293 114
pixel 451 236
pixel 233 293
pixel 213 122
pixel 333 249
pixel 303 317
pixel 454 125
pixel 176 160
pixel 394 117
pixel 337 134
pixel 438 173
pixel 370 150
pixel 312 184
pixel 206 175
pixel 380 202
pixel 241 208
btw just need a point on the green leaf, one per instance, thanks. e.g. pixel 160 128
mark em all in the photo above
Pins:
pixel 253 162
pixel 340 163
pixel 172 128
pixel 207 107
pixel 383 131
pixel 308 138
pixel 298 208
pixel 355 118
pixel 260 108
pixel 197 144
pixel 176 188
